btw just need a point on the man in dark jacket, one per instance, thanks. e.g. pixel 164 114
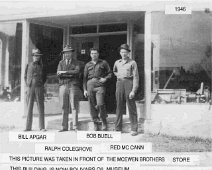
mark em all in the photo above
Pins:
pixel 35 78
pixel 96 73
pixel 69 92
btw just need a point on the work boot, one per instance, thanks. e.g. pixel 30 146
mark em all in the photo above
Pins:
pixel 96 128
pixel 134 133
pixel 63 130
pixel 43 130
pixel 104 124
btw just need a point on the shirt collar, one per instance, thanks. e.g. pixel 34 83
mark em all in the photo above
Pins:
pixel 99 60
pixel 124 61
pixel 36 62
pixel 69 61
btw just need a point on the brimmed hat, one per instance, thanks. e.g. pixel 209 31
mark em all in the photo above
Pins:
pixel 124 46
pixel 36 52
pixel 67 48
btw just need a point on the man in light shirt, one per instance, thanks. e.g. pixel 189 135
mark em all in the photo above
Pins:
pixel 127 83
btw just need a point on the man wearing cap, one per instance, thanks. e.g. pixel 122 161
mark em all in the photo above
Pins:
pixel 126 72
pixel 96 73
pixel 68 72
pixel 35 78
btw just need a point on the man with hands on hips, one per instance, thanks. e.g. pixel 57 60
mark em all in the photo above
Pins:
pixel 96 73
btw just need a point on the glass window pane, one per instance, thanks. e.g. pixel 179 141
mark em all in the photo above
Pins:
pixel 10 61
pixel 49 40
pixel 84 29
pixel 113 27
pixel 181 58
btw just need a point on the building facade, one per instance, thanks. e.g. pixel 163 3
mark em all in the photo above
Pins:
pixel 173 52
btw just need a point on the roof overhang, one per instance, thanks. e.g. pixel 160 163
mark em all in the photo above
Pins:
pixel 18 10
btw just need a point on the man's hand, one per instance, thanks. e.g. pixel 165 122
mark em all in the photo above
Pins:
pixel 102 80
pixel 132 95
pixel 61 72
pixel 86 93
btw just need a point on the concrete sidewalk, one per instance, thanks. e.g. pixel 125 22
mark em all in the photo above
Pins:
pixel 14 118
pixel 172 120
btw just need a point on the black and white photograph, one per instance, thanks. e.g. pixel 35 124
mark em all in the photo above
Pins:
pixel 105 85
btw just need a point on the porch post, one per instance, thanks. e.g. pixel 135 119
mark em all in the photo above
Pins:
pixel 6 62
pixel 130 36
pixel 65 36
pixel 24 60
pixel 211 67
pixel 68 35
pixel 1 65
pixel 147 64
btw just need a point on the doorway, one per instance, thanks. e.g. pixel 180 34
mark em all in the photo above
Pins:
pixel 49 40
pixel 108 48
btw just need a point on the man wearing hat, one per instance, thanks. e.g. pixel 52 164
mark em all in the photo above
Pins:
pixel 35 78
pixel 126 72
pixel 68 72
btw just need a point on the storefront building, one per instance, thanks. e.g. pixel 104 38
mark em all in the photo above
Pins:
pixel 173 53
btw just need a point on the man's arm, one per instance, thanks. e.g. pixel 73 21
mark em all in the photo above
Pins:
pixel 135 77
pixel 25 74
pixel 44 74
pixel 76 70
pixel 68 73
pixel 59 67
pixel 115 70
pixel 108 71
pixel 60 72
pixel 85 78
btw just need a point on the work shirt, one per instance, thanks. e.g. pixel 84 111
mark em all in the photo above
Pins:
pixel 100 69
pixel 127 70
pixel 72 76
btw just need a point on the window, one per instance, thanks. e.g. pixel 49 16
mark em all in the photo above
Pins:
pixel 49 40
pixel 113 27
pixel 84 29
pixel 102 28
pixel 10 61
pixel 181 58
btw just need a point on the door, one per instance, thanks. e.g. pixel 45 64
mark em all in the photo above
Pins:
pixel 49 40
pixel 108 46
pixel 82 46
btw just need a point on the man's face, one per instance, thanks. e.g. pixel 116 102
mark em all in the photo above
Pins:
pixel 68 55
pixel 36 58
pixel 94 55
pixel 124 53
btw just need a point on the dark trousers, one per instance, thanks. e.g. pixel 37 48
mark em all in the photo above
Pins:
pixel 96 99
pixel 123 89
pixel 35 93
pixel 69 101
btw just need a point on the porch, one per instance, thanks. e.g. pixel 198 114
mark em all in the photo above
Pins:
pixel 174 120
